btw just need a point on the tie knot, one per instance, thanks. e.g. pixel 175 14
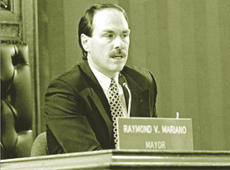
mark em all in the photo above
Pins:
pixel 113 88
pixel 113 81
pixel 113 84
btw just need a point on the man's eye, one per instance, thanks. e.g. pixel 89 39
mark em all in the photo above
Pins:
pixel 125 35
pixel 109 35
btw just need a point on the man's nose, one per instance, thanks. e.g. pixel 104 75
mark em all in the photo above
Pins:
pixel 118 43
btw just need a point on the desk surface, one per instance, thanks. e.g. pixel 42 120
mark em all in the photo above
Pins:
pixel 124 159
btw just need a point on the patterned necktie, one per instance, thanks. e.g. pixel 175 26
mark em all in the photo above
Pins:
pixel 115 107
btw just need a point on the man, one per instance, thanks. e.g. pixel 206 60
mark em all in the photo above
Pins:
pixel 78 110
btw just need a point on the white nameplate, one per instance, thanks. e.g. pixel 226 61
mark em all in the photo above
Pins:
pixel 155 133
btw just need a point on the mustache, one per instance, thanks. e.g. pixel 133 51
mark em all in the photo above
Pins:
pixel 118 52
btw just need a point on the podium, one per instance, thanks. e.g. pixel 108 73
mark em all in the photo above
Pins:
pixel 124 159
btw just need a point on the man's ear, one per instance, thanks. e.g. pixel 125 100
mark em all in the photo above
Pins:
pixel 85 42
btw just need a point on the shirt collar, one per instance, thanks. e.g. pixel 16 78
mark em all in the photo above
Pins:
pixel 103 80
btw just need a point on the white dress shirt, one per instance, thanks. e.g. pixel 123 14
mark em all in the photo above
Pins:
pixel 105 81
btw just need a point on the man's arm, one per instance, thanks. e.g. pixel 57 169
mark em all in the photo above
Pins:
pixel 65 118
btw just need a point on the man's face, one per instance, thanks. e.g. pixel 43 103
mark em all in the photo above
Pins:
pixel 109 44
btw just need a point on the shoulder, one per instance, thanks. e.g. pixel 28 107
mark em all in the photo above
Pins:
pixel 69 79
pixel 70 75
pixel 139 74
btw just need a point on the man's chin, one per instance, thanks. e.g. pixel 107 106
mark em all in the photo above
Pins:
pixel 113 70
pixel 119 67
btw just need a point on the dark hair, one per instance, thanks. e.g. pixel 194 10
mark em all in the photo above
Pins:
pixel 86 23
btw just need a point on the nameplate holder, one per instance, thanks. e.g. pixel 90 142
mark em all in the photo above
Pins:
pixel 155 133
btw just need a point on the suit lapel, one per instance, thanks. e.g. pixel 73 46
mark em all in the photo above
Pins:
pixel 97 95
pixel 102 110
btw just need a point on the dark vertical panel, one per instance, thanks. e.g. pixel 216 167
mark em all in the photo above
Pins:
pixel 200 127
pixel 28 26
pixel 176 58
pixel 151 36
pixel 137 43
pixel 152 47
pixel 189 61
pixel 224 26
pixel 214 76
pixel 72 14
pixel 164 58
pixel 188 57
pixel 43 59
pixel 56 37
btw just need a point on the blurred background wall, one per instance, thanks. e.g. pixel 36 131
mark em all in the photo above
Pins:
pixel 184 43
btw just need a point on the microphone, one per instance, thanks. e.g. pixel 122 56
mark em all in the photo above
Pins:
pixel 123 82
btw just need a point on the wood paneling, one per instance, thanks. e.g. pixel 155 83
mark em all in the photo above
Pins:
pixel 186 46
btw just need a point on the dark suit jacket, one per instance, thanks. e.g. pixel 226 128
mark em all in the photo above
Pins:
pixel 77 112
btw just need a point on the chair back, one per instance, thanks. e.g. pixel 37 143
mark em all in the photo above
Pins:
pixel 16 101
pixel 39 147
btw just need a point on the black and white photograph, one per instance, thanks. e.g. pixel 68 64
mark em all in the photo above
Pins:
pixel 115 84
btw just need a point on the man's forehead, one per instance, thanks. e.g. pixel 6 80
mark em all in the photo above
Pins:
pixel 107 14
pixel 108 18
